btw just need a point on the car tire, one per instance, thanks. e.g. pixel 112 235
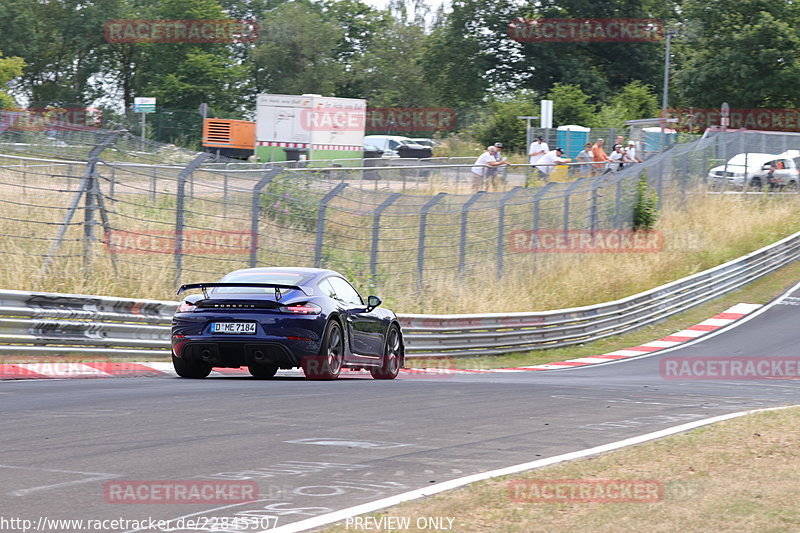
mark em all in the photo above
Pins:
pixel 328 364
pixel 755 183
pixel 263 371
pixel 191 370
pixel 392 356
pixel 791 186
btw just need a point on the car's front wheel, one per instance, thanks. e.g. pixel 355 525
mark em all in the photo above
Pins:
pixel 392 356
pixel 328 364
pixel 189 369
pixel 263 371
pixel 755 183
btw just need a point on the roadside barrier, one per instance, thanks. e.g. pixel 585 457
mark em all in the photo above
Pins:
pixel 51 323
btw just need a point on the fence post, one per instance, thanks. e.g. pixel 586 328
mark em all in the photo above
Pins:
pixel 462 241
pixel 593 216
pixel 153 179
pixel 255 213
pixel 537 198
pixel 618 199
pixel 501 230
pixel 423 218
pixel 86 187
pixel 323 206
pixel 180 206
pixel 574 185
pixel 376 222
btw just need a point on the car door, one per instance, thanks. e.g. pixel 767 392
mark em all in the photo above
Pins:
pixel 365 329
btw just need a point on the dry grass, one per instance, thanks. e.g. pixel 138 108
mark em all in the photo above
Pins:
pixel 707 231
pixel 739 475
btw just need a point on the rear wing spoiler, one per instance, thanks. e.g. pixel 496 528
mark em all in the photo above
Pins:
pixel 277 286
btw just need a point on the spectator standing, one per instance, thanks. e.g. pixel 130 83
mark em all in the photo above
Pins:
pixel 631 153
pixel 599 156
pixel 497 180
pixel 547 162
pixel 585 156
pixel 617 158
pixel 481 166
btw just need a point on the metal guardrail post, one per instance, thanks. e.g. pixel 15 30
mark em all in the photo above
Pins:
pixel 376 224
pixel 255 212
pixel 323 206
pixel 462 241
pixel 501 229
pixel 180 207
pixel 423 219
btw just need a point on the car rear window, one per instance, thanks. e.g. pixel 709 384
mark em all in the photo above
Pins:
pixel 279 278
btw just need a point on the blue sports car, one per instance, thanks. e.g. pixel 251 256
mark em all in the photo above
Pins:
pixel 271 318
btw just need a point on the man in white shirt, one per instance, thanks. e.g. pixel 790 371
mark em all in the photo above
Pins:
pixel 538 149
pixel 479 170
pixel 630 153
pixel 547 162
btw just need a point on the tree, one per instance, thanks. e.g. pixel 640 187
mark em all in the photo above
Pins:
pixel 296 53
pixel 499 122
pixel 743 52
pixel 634 101
pixel 10 68
pixel 571 105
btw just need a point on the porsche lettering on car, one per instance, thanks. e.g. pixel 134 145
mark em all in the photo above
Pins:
pixel 272 318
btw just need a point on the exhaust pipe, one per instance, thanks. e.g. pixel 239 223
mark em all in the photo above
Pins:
pixel 259 356
pixel 206 355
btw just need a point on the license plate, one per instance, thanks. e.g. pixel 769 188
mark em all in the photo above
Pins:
pixel 236 328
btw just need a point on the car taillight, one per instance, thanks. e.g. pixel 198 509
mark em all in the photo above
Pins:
pixel 302 309
pixel 186 307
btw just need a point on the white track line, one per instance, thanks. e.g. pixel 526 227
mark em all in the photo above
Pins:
pixel 370 507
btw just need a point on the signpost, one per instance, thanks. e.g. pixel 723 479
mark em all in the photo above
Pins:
pixel 144 105
pixel 725 116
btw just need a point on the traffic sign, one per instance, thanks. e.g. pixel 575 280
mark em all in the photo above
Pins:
pixel 143 104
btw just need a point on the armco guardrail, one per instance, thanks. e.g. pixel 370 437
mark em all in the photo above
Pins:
pixel 44 323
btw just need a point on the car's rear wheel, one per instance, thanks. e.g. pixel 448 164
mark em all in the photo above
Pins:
pixel 791 186
pixel 392 356
pixel 262 371
pixel 328 364
pixel 189 369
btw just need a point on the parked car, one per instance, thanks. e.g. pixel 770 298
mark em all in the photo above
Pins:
pixel 426 142
pixel 750 170
pixel 393 145
pixel 271 318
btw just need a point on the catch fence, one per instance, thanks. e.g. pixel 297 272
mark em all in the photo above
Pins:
pixel 86 203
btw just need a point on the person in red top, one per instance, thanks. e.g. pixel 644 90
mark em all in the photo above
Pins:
pixel 599 156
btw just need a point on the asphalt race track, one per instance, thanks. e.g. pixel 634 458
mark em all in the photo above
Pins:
pixel 316 447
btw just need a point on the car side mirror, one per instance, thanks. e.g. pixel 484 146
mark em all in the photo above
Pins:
pixel 373 302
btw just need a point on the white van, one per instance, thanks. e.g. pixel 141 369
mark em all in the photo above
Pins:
pixel 390 143
pixel 751 169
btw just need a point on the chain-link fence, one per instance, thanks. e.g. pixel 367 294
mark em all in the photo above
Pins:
pixel 96 204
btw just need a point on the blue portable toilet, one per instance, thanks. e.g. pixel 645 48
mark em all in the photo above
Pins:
pixel 571 138
pixel 652 139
